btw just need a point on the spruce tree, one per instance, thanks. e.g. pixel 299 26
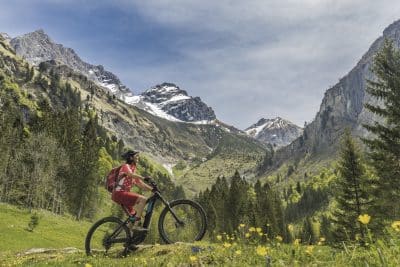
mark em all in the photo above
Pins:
pixel 237 201
pixel 351 195
pixel 86 186
pixel 384 146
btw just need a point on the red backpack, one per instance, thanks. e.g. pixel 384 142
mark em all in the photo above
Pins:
pixel 112 179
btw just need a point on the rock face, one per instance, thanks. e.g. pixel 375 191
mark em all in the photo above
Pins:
pixel 170 102
pixel 277 132
pixel 37 47
pixel 342 107
pixel 5 37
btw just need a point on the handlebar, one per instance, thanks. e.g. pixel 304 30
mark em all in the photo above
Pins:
pixel 151 182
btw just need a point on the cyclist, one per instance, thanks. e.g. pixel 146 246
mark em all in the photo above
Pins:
pixel 127 178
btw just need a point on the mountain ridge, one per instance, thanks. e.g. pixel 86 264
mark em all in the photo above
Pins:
pixel 37 47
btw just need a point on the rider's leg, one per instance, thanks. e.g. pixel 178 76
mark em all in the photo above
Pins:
pixel 127 199
pixel 139 206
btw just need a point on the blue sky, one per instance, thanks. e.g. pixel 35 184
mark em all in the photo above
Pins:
pixel 245 59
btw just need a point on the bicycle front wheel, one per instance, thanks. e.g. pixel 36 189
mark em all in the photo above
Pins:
pixel 184 221
pixel 109 236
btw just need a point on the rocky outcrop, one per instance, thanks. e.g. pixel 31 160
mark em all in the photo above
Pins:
pixel 277 132
pixel 342 107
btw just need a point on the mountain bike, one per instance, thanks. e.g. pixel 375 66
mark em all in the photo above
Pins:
pixel 181 220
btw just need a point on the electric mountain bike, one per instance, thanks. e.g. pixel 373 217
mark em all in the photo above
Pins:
pixel 181 220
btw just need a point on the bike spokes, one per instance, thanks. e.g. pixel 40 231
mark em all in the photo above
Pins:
pixel 109 239
pixel 188 225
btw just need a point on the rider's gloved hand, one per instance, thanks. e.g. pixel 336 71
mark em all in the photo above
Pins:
pixel 147 179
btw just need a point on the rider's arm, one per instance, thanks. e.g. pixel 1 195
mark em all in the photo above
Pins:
pixel 143 185
pixel 139 182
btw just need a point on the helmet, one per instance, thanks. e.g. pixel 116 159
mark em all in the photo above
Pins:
pixel 129 154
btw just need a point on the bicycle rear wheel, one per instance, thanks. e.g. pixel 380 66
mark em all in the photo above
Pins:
pixel 190 226
pixel 109 236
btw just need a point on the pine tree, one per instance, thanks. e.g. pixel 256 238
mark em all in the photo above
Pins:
pixel 218 197
pixel 237 201
pixel 385 145
pixel 351 195
pixel 86 186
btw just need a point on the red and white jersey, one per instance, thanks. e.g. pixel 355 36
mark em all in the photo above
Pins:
pixel 125 182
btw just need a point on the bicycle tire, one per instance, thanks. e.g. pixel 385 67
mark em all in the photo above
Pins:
pixel 185 203
pixel 95 226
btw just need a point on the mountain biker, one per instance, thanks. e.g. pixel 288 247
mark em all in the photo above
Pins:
pixel 127 178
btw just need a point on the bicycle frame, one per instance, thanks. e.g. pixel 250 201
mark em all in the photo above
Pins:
pixel 147 219
pixel 150 207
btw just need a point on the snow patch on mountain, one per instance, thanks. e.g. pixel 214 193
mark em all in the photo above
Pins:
pixel 278 132
pixel 170 102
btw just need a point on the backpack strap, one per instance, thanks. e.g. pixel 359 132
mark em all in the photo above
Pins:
pixel 117 177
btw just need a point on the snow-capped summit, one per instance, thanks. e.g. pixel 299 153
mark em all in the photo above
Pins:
pixel 278 132
pixel 168 101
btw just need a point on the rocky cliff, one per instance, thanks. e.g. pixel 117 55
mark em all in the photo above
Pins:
pixel 342 107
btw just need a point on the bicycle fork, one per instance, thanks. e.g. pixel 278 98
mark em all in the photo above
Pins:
pixel 166 203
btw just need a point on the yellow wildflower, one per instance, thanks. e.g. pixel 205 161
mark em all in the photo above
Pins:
pixel 290 227
pixel 260 234
pixel 296 242
pixel 279 238
pixel 261 250
pixel 309 249
pixel 238 252
pixel 193 258
pixel 227 245
pixel 322 239
pixel 396 226
pixel 252 229
pixel 242 225
pixel 364 219
pixel 247 235
pixel 88 265
pixel 258 229
pixel 219 237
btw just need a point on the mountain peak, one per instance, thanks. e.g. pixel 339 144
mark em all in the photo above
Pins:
pixel 276 131
pixel 37 47
pixel 168 101
pixel 38 34
pixel 166 88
